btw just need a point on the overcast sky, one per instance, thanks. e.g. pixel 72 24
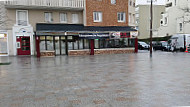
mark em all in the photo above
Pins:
pixel 159 2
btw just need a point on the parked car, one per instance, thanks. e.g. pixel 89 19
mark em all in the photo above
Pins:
pixel 165 46
pixel 143 45
pixel 161 45
pixel 157 46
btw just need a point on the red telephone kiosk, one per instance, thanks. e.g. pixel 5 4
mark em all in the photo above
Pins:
pixel 23 45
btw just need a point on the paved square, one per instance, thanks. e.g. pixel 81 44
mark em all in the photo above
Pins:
pixel 123 80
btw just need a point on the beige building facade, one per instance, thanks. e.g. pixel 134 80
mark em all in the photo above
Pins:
pixel 175 19
pixel 132 13
pixel 144 19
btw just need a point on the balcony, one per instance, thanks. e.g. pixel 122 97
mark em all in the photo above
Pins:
pixel 46 4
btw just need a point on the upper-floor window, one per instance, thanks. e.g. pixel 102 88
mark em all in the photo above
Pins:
pixel 48 17
pixel 22 17
pixel 180 27
pixel 130 3
pixel 63 17
pixel 97 16
pixel 165 20
pixel 129 18
pixel 121 16
pixel 133 18
pixel 75 18
pixel 113 1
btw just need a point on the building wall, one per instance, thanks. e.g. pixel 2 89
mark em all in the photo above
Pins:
pixel 144 19
pixel 131 12
pixel 180 3
pixel 171 27
pixel 10 41
pixel 3 18
pixel 37 16
pixel 109 12
pixel 34 16
pixel 177 13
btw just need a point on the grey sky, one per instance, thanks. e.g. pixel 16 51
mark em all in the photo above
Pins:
pixel 159 2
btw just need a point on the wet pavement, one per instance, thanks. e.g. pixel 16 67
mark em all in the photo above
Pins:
pixel 122 80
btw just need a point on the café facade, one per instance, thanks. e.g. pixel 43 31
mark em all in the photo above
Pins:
pixel 77 39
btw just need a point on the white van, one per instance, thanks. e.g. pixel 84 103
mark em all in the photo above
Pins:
pixel 179 41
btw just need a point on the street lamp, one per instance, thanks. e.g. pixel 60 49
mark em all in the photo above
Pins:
pixel 151 18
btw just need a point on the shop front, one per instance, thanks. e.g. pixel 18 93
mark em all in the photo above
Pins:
pixel 106 43
pixel 80 40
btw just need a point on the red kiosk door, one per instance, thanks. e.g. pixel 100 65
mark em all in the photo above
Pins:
pixel 23 45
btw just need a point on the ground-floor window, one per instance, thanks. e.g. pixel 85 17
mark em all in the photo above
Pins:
pixel 96 44
pixel 59 43
pixel 3 44
pixel 114 43
pixel 86 43
pixel 49 43
pixel 42 43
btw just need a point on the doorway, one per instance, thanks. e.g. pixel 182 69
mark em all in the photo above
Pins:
pixel 23 45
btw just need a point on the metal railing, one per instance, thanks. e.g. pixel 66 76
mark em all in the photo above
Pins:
pixel 50 3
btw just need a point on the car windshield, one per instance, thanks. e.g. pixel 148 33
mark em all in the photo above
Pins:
pixel 142 43
pixel 164 43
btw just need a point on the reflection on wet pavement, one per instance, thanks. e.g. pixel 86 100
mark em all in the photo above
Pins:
pixel 122 80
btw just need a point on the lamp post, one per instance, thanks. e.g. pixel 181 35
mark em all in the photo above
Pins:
pixel 151 18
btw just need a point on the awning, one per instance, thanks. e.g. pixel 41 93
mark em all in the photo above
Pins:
pixel 60 29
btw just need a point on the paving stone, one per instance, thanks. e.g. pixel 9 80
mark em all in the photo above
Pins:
pixel 99 101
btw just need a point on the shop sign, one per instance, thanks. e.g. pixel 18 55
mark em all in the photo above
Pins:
pixel 3 35
pixel 134 33
pixel 115 35
pixel 93 35
pixel 125 35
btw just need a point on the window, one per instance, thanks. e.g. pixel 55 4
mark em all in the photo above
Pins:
pixel 48 17
pixel 129 17
pixel 180 27
pixel 166 21
pixel 121 17
pixel 22 17
pixel 133 18
pixel 113 1
pixel 97 16
pixel 161 22
pixel 130 3
pixel 63 17
pixel 134 4
pixel 75 18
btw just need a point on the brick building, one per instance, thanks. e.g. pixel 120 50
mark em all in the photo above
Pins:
pixel 63 27
pixel 108 12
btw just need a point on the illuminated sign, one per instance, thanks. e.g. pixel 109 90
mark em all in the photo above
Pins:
pixel 3 35
pixel 134 33
pixel 125 35
pixel 94 35
pixel 115 35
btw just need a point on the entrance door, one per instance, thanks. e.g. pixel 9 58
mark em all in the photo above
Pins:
pixel 23 45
